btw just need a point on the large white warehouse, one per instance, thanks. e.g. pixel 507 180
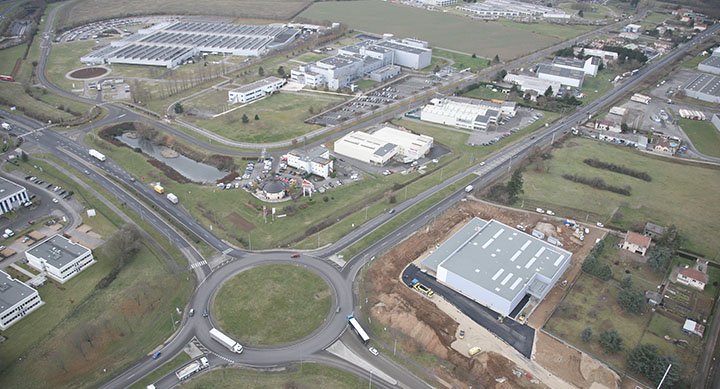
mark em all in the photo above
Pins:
pixel 565 76
pixel 365 148
pixel 534 84
pixel 471 114
pixel 410 146
pixel 60 258
pixel 497 265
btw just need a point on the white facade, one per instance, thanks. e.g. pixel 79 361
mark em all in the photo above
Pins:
pixel 471 114
pixel 564 76
pixel 12 195
pixel 410 146
pixel 529 83
pixel 60 258
pixel 512 9
pixel 315 161
pixel 255 90
pixel 604 55
pixel 366 148
pixel 439 3
pixel 385 73
pixel 16 300
pixel 589 66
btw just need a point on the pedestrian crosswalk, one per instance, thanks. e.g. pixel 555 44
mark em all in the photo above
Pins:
pixel 198 264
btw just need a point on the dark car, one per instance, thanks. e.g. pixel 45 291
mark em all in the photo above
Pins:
pixel 206 313
pixel 296 255
pixel 156 355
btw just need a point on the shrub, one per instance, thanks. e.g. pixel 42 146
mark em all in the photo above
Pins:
pixel 618 169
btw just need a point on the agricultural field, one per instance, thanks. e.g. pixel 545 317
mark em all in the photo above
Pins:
pixel 256 306
pixel 461 60
pixel 92 10
pixel 280 116
pixel 505 39
pixel 691 187
pixel 703 135
pixel 306 375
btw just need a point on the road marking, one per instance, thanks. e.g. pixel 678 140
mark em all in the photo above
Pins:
pixel 198 264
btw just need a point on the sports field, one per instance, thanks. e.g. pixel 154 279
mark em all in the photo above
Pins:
pixel 680 194
pixel 485 39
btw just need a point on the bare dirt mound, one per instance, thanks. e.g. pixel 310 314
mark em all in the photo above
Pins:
pixel 87 73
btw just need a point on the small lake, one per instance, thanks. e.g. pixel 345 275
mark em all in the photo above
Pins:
pixel 192 170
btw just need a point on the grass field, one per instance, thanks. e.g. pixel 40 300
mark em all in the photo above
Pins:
pixel 307 375
pixel 506 39
pixel 311 57
pixel 483 92
pixel 692 188
pixel 594 87
pixel 9 56
pixel 462 61
pixel 281 116
pixel 63 58
pixel 91 10
pixel 272 304
pixel 15 95
pixel 704 136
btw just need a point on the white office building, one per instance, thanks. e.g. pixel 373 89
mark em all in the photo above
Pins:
pixel 604 55
pixel 532 84
pixel 314 161
pixel 12 196
pixel 16 300
pixel 255 90
pixel 589 66
pixel 564 76
pixel 365 148
pixel 470 114
pixel 410 146
pixel 497 266
pixel 60 258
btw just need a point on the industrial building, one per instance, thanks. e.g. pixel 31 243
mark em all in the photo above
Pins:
pixel 512 9
pixel 12 196
pixel 314 161
pixel 470 114
pixel 439 3
pixel 373 58
pixel 589 66
pixel 365 148
pixel 255 90
pixel 604 55
pixel 711 64
pixel 532 84
pixel 705 87
pixel 16 300
pixel 497 266
pixel 60 258
pixel 410 146
pixel 564 76
pixel 172 43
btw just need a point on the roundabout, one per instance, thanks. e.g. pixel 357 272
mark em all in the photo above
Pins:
pixel 271 305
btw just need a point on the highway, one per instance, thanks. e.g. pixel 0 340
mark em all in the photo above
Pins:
pixel 164 217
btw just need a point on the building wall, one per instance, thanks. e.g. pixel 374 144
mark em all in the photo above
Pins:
pixel 702 96
pixel 13 200
pixel 65 273
pixel 691 282
pixel 14 313
pixel 476 292
pixel 634 248
pixel 362 153
pixel 561 80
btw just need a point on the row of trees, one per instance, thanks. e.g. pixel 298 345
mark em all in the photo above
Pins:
pixel 593 265
pixel 507 193
pixel 598 183
pixel 596 163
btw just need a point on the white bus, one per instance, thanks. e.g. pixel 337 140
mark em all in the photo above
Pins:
pixel 358 330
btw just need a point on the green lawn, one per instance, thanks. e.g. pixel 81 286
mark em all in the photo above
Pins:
pixel 64 57
pixel 462 61
pixel 482 92
pixel 281 117
pixel 14 94
pixel 693 62
pixel 272 304
pixel 366 84
pixel 594 87
pixel 704 136
pixel 311 57
pixel 307 375
pixel 692 188
pixel 506 39
pixel 9 56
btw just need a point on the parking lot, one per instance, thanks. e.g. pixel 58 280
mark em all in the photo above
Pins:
pixel 505 127
pixel 379 98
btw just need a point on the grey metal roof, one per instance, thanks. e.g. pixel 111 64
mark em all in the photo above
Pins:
pixel 712 61
pixel 561 72
pixel 274 186
pixel 574 62
pixel 401 47
pixel 705 83
pixel 12 291
pixel 385 149
pixel 9 188
pixel 498 258
pixel 339 60
pixel 58 251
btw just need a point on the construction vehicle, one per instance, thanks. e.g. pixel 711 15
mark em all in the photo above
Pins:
pixel 158 188
pixel 421 288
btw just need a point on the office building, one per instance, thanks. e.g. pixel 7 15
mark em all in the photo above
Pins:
pixel 314 161
pixel 59 258
pixel 12 196
pixel 255 90
pixel 365 148
pixel 17 300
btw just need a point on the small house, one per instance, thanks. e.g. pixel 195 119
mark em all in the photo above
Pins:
pixel 653 230
pixel 693 328
pixel 693 278
pixel 636 243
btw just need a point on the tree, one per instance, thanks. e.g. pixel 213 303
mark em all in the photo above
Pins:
pixel 565 52
pixel 515 185
pixel 548 91
pixel 499 76
pixel 473 55
pixel 586 334
pixel 245 118
pixel 23 156
pixel 436 69
pixel 611 341
pixel 261 71
pixel 496 59
pixel 659 258
pixel 601 66
pixel 631 300
pixel 646 360
pixel 281 71
pixel 257 117
pixel 581 14
pixel 178 108
pixel 626 283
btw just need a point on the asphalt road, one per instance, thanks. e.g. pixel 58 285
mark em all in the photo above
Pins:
pixel 141 199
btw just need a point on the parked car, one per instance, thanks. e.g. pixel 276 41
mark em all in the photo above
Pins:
pixel 461 334
pixel 373 351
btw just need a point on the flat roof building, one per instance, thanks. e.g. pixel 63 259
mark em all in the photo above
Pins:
pixel 410 146
pixel 589 66
pixel 705 87
pixel 314 161
pixel 511 9
pixel 471 114
pixel 12 195
pixel 255 90
pixel 365 148
pixel 534 84
pixel 60 258
pixel 16 300
pixel 497 265
pixel 564 76
pixel 711 64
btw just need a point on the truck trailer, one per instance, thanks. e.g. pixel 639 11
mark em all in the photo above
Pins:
pixel 94 153
pixel 226 341
pixel 193 367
